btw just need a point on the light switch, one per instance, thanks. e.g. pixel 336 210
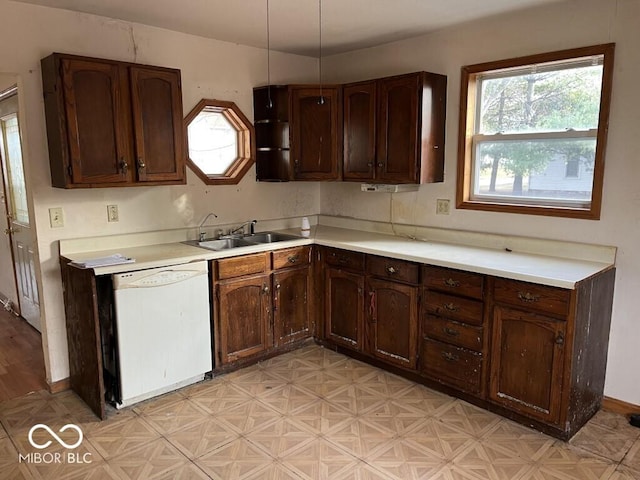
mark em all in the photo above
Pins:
pixel 56 217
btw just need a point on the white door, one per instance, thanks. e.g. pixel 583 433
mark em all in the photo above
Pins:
pixel 19 230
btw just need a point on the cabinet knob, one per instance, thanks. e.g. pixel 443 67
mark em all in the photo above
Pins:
pixel 450 357
pixel 391 270
pixel 293 258
pixel 265 288
pixel 141 163
pixel 451 332
pixel 560 339
pixel 452 307
pixel 370 164
pixel 528 297
pixel 124 166
pixel 380 164
pixel 278 286
pixel 450 282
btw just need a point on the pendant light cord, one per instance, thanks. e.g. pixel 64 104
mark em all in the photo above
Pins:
pixel 269 102
pixel 321 99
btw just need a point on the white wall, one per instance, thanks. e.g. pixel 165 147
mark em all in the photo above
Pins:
pixel 210 69
pixel 570 24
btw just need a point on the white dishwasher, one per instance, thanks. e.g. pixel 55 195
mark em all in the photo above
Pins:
pixel 162 328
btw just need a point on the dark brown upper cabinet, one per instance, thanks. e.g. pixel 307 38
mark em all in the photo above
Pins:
pixel 316 140
pixel 112 123
pixel 394 129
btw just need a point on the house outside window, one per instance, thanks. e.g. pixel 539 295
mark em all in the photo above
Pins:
pixel 534 134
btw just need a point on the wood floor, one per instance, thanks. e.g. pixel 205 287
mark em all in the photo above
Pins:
pixel 21 358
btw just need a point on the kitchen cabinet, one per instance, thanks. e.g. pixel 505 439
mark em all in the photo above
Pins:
pixel 375 314
pixel 291 295
pixel 316 127
pixel 392 307
pixel 262 302
pixel 453 329
pixel 344 298
pixel 549 350
pixel 394 129
pixel 112 123
pixel 271 123
pixel 527 362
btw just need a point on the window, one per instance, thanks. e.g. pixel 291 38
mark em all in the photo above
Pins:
pixel 220 140
pixel 533 137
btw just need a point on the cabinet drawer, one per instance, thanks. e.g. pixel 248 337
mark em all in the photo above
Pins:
pixel 393 269
pixel 345 259
pixel 453 281
pixel 244 265
pixel 291 257
pixel 456 308
pixel 534 297
pixel 452 332
pixel 455 366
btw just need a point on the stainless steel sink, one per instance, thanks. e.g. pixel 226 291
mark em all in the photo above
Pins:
pixel 224 244
pixel 269 237
pixel 245 241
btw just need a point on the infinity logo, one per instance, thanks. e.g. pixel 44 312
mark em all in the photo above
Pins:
pixel 53 434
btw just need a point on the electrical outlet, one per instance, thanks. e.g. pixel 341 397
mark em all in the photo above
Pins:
pixel 56 217
pixel 442 206
pixel 112 213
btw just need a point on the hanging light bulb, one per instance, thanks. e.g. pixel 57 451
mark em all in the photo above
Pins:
pixel 321 99
pixel 269 101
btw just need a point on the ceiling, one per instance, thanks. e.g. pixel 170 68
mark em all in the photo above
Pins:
pixel 346 24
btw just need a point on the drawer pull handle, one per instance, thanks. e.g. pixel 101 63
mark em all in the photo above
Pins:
pixel 391 270
pixel 452 307
pixel 528 297
pixel 293 258
pixel 450 357
pixel 451 331
pixel 450 282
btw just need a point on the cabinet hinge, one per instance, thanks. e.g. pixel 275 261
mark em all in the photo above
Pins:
pixel 70 171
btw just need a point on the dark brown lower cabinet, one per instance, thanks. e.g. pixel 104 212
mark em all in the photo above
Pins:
pixel 291 294
pixel 392 322
pixel 244 317
pixel 344 307
pixel 527 359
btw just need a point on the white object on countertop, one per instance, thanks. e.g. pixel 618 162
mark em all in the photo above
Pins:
pixel 305 230
pixel 115 259
pixel 163 329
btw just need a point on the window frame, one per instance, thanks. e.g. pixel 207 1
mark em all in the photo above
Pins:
pixel 246 141
pixel 467 138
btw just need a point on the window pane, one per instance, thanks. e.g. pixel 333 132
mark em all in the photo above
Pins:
pixel 15 170
pixel 213 142
pixel 559 171
pixel 568 98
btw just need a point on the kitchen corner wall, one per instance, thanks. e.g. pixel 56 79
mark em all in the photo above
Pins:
pixel 559 26
pixel 210 69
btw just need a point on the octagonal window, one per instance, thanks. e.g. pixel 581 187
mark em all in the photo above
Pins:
pixel 220 142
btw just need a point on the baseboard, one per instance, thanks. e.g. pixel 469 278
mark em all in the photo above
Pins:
pixel 60 385
pixel 618 406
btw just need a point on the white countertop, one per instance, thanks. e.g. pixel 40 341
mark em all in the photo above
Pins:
pixel 542 269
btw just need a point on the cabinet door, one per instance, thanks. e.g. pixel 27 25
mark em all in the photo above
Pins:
pixel 359 129
pixel 291 290
pixel 157 119
pixel 393 322
pixel 244 308
pixel 398 129
pixel 344 308
pixel 96 122
pixel 315 133
pixel 527 363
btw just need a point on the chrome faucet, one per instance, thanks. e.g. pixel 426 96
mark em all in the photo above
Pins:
pixel 250 223
pixel 201 234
